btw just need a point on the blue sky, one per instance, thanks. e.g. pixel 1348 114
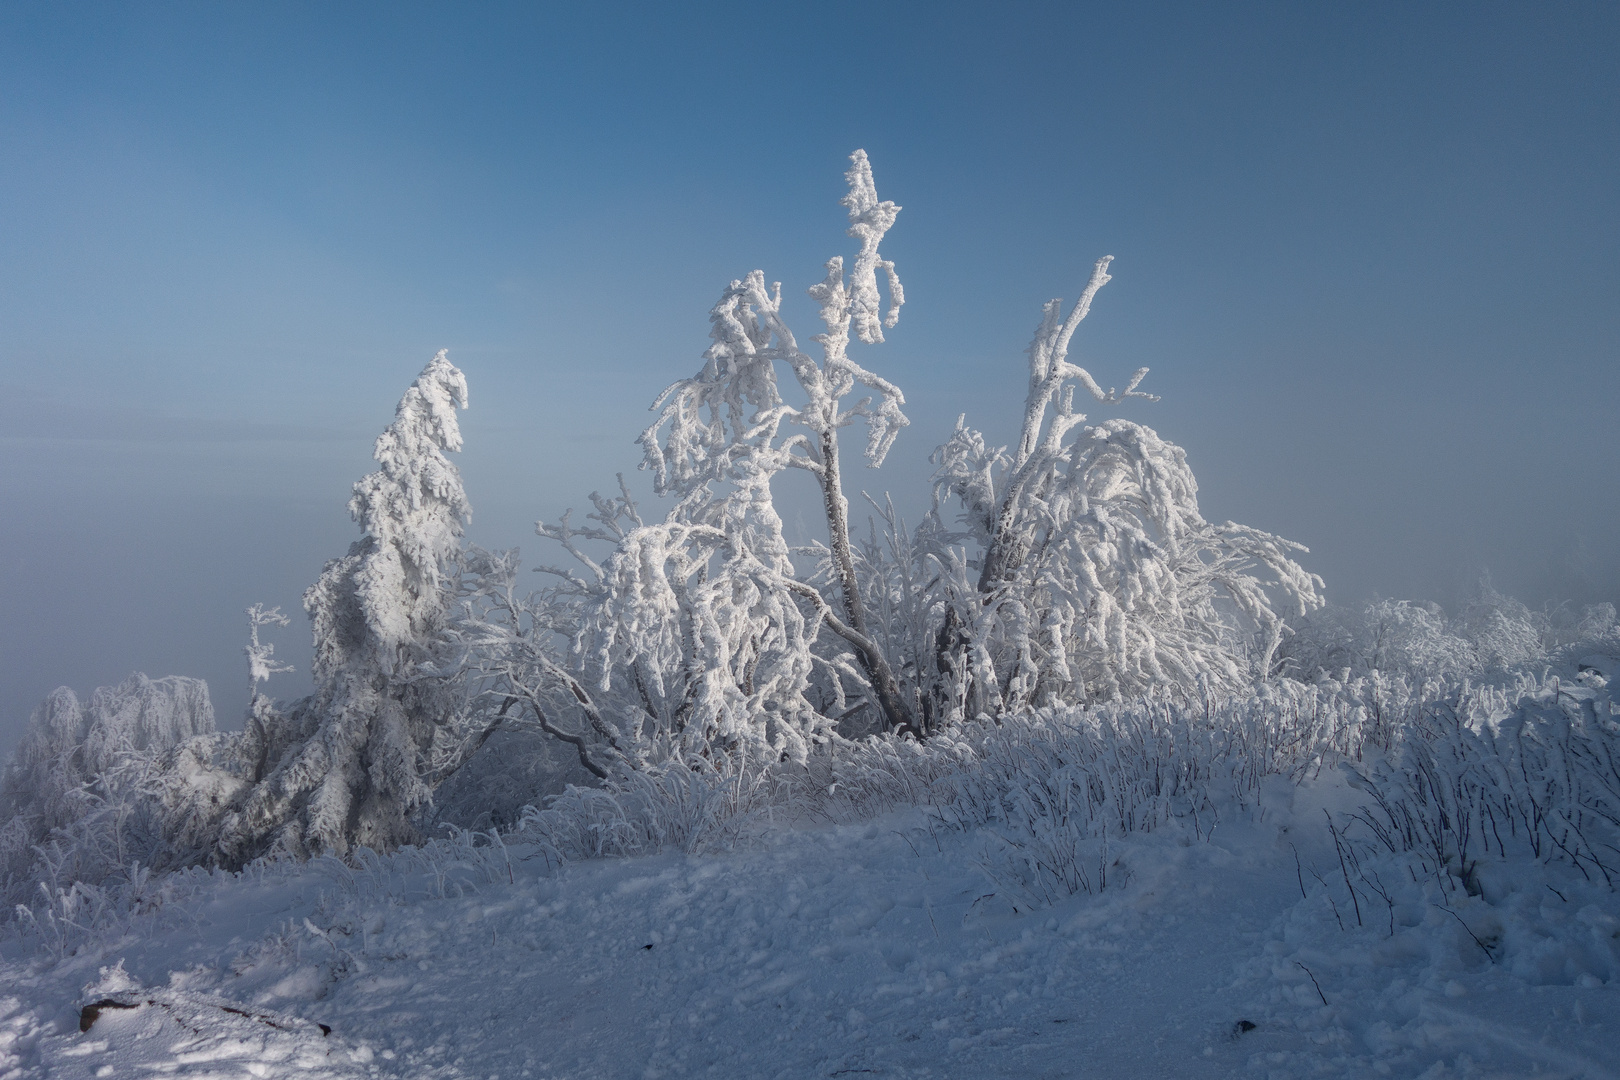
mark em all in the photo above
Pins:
pixel 1369 252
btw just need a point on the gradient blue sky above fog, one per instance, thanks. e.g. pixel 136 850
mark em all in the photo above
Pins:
pixel 1369 252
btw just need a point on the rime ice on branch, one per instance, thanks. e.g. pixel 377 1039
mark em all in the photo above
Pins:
pixel 261 656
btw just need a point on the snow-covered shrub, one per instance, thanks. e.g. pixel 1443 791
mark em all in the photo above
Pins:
pixel 716 805
pixel 1084 571
pixel 1492 637
pixel 1052 791
pixel 1488 774
pixel 95 786
pixel 1396 637
pixel 858 779
pixel 665 806
pixel 1596 623
pixel 1047 790
pixel 354 763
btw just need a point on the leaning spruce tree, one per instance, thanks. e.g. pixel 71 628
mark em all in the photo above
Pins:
pixel 347 766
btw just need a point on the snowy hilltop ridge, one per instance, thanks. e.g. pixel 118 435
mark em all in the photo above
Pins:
pixel 906 800
pixel 1353 879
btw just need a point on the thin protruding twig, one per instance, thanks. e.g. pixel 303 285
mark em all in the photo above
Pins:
pixel 1321 881
pixel 1482 946
pixel 1314 983
pixel 1337 847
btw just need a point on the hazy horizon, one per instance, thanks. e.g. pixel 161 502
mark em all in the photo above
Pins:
pixel 1368 255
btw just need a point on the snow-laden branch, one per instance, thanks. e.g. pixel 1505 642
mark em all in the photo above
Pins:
pixel 261 656
pixel 733 407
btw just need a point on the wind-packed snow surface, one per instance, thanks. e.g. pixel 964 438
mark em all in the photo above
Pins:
pixel 888 947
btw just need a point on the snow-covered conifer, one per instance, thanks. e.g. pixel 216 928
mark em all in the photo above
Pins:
pixel 345 766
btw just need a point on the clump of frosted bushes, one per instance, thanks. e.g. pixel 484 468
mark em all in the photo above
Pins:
pixel 1489 775
pixel 1051 793
pixel 1490 637
pixel 1460 775
pixel 91 793
pixel 1055 777
pixel 1485 835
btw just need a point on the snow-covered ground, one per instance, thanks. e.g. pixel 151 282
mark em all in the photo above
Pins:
pixel 881 948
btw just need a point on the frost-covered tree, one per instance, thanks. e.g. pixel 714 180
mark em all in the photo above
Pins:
pixel 1505 634
pixel 1396 637
pixel 724 426
pixel 698 633
pixel 1083 570
pixel 351 764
